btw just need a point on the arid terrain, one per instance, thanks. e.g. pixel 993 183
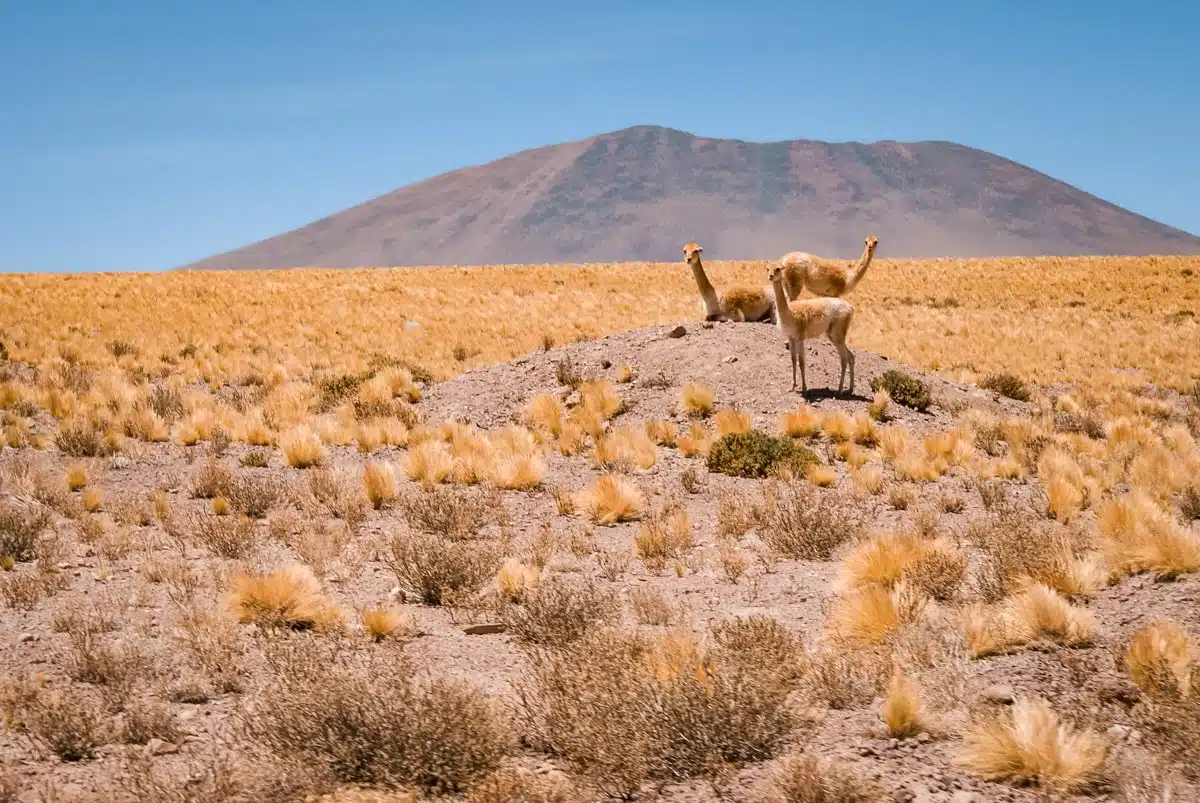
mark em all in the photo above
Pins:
pixel 542 534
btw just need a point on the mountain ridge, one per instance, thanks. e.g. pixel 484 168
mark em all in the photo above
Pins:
pixel 638 193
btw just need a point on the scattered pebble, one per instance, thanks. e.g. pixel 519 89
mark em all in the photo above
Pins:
pixel 999 693
pixel 678 331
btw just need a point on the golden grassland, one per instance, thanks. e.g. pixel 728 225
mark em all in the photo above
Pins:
pixel 1047 319
pixel 1096 483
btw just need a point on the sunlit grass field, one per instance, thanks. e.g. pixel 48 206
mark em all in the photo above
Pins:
pixel 1073 320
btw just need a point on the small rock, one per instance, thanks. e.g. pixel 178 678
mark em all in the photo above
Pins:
pixel 25 638
pixel 1135 735
pixel 120 462
pixel 866 752
pixel 893 744
pixel 157 747
pixel 963 796
pixel 484 629
pixel 678 331
pixel 923 737
pixel 1118 732
pixel 999 693
pixel 707 325
pixel 903 796
pixel 397 593
pixel 730 358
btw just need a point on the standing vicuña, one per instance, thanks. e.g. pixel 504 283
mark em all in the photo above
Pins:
pixel 738 303
pixel 811 318
pixel 828 277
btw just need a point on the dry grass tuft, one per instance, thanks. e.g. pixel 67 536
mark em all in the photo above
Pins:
pixel 612 499
pixel 1161 660
pixel 561 610
pixel 383 623
pixel 665 535
pixel 731 422
pixel 1035 613
pixel 289 598
pixel 805 524
pixel 1031 745
pixel 515 579
pixel 302 447
pixel 1139 536
pixel 872 614
pixel 807 779
pixel 697 400
pixel 902 711
pixel 379 484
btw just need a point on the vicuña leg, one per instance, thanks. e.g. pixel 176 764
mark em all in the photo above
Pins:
pixel 798 352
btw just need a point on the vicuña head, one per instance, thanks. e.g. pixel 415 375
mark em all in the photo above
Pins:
pixel 872 241
pixel 691 251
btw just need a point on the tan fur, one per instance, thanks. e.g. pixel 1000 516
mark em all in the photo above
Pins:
pixel 827 277
pixel 738 303
pixel 811 318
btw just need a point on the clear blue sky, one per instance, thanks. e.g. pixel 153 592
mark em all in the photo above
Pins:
pixel 144 134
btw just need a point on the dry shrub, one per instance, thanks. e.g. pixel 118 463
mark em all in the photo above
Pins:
pixel 82 438
pixel 803 422
pixel 544 412
pixel 1189 502
pixel 1031 745
pixel 437 568
pixel 657 709
pixel 289 598
pixel 21 531
pixel 1035 613
pixel 805 524
pixel 212 480
pixel 211 644
pixel 612 499
pixel 1006 385
pixel 254 495
pixel 666 534
pixel 1139 536
pixel 614 564
pixel 697 400
pixel 1161 660
pixel 77 476
pixel 455 513
pixel 302 447
pixel 512 785
pixel 561 610
pixel 807 779
pixel 117 665
pixel 147 719
pixel 1020 549
pixel 232 537
pixel 651 607
pixel 340 492
pixel 364 717
pixel 902 497
pixel 72 726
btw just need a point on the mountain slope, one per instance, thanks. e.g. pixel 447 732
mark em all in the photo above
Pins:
pixel 640 193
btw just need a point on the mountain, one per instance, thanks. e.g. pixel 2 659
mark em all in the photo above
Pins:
pixel 640 193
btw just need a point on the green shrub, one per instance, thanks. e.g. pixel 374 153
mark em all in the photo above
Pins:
pixel 1006 385
pixel 255 459
pixel 904 389
pixel 755 454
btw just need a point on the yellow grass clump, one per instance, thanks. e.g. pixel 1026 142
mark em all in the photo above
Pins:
pixel 697 400
pixel 381 623
pixel 697 442
pixel 803 422
pixel 624 449
pixel 872 613
pixel 902 711
pixel 428 463
pixel 289 598
pixel 661 431
pixel 379 483
pixel 515 579
pixel 302 447
pixel 1161 659
pixel 1031 745
pixel 1139 536
pixel 665 535
pixel 612 499
pixel 731 422
pixel 1037 612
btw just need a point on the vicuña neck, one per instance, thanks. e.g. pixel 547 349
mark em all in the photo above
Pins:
pixel 707 291
pixel 783 313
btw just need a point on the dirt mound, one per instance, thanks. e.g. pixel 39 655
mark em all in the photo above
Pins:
pixel 746 365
